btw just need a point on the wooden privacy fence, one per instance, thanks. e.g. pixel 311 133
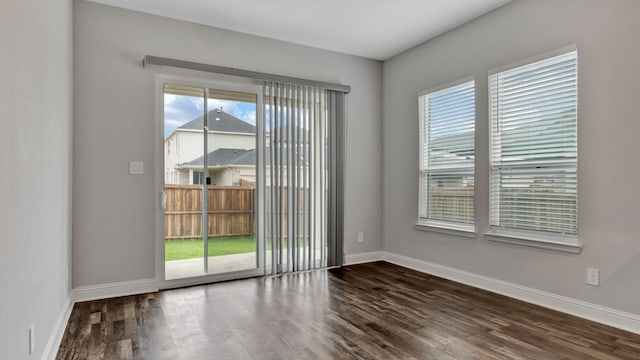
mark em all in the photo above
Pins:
pixel 557 207
pixel 458 203
pixel 452 203
pixel 230 211
pixel 277 212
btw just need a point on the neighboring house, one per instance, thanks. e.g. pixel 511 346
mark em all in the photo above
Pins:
pixel 235 167
pixel 226 133
pixel 227 167
pixel 463 148
pixel 232 155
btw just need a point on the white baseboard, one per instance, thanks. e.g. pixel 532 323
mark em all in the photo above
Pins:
pixel 601 314
pixel 105 291
pixel 51 350
pixel 352 259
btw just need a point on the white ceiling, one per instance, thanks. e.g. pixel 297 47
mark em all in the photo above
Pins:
pixel 376 29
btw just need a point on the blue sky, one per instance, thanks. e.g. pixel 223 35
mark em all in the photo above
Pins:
pixel 182 109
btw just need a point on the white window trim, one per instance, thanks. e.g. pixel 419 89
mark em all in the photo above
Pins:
pixel 447 227
pixel 530 60
pixel 451 228
pixel 540 240
pixel 562 243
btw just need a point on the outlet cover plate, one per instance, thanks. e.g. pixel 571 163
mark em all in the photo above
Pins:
pixel 593 276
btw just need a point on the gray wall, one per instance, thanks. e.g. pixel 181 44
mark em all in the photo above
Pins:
pixel 35 180
pixel 606 33
pixel 113 231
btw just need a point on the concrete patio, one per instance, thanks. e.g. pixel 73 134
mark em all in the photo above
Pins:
pixel 178 269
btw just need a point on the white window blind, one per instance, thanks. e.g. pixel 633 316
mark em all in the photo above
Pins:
pixel 447 155
pixel 533 110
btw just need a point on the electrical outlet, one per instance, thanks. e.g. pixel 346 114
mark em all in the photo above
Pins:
pixel 32 339
pixel 360 237
pixel 66 275
pixel 593 276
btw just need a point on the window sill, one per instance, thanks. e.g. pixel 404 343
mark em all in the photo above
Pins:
pixel 533 241
pixel 445 228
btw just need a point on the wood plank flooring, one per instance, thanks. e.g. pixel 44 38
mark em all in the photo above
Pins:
pixel 368 311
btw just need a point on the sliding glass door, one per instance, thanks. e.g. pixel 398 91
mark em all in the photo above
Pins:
pixel 251 180
pixel 210 182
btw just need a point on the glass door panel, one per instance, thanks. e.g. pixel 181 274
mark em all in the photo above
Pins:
pixel 183 245
pixel 232 164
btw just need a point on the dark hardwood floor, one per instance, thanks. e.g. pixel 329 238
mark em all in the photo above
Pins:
pixel 369 311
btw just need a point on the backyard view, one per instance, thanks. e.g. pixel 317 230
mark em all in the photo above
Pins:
pixel 209 177
pixel 210 159
pixel 191 248
pixel 218 246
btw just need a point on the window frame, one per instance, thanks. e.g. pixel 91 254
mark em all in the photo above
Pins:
pixel 444 226
pixel 532 238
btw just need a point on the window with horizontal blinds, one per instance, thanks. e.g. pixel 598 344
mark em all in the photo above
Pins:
pixel 447 156
pixel 533 111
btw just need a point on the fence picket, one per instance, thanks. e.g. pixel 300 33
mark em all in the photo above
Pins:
pixel 230 211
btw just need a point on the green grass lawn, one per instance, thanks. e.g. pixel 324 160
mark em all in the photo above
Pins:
pixel 193 248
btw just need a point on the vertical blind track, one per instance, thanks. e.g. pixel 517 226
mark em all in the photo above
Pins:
pixel 156 61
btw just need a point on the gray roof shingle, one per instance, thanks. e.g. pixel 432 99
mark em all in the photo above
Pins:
pixel 226 123
pixel 224 157
pixel 227 157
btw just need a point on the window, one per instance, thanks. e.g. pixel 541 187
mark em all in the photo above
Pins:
pixel 198 177
pixel 447 155
pixel 533 184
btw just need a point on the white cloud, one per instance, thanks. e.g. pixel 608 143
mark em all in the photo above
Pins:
pixel 249 116
pixel 169 99
pixel 179 110
pixel 197 103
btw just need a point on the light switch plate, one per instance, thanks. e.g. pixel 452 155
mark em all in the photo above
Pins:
pixel 593 276
pixel 136 167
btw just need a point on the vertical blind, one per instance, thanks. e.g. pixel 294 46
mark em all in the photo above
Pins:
pixel 301 160
pixel 533 110
pixel 447 154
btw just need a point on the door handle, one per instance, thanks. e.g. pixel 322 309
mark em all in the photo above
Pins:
pixel 163 200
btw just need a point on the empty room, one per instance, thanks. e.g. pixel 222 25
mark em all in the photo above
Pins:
pixel 436 179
